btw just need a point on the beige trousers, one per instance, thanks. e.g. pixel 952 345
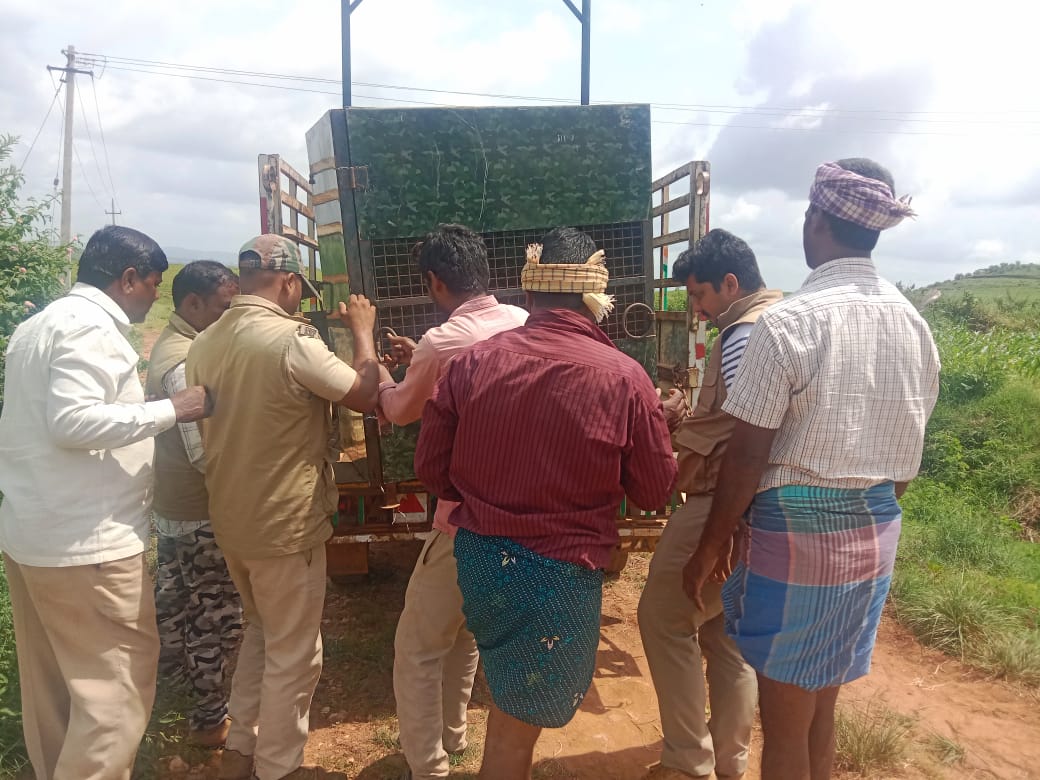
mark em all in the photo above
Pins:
pixel 435 660
pixel 279 662
pixel 675 633
pixel 88 648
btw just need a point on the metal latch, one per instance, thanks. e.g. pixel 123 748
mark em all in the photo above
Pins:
pixel 354 177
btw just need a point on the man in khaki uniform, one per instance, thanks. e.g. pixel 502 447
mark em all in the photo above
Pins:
pixel 723 281
pixel 272 492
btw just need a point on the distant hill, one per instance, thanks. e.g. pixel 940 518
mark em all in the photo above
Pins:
pixel 182 256
pixel 1017 281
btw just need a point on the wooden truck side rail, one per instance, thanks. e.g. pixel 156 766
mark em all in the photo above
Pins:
pixel 375 513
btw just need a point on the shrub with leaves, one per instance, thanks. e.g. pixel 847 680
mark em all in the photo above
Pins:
pixel 32 269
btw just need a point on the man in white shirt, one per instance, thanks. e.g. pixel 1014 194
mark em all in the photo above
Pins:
pixel 435 657
pixel 76 475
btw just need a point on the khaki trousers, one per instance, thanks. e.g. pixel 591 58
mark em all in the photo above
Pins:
pixel 675 633
pixel 87 654
pixel 435 660
pixel 279 662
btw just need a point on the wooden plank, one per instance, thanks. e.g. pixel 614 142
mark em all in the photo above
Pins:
pixel 672 238
pixel 328 164
pixel 344 559
pixel 332 229
pixel 671 316
pixel 298 237
pixel 291 172
pixel 670 284
pixel 673 205
pixel 325 197
pixel 297 207
pixel 670 178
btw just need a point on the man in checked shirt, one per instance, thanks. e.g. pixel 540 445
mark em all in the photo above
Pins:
pixel 196 604
pixel 831 400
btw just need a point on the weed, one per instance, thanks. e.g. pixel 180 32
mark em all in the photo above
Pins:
pixel 1013 656
pixel 870 741
pixel 953 614
pixel 387 738
pixel 946 750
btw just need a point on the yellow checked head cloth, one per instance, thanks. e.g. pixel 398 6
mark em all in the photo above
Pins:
pixel 589 279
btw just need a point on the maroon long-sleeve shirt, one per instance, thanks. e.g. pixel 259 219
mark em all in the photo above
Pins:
pixel 540 432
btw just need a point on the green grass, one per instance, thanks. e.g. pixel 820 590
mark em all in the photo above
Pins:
pixel 12 748
pixel 968 573
pixel 871 741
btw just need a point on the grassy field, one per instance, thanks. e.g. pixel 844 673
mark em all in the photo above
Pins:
pixel 968 574
pixel 1008 283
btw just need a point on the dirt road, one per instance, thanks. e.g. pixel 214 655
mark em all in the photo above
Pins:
pixel 617 733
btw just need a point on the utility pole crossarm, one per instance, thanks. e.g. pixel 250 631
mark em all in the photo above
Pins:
pixel 574 9
pixel 113 212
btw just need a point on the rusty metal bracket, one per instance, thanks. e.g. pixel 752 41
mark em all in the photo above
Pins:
pixel 355 177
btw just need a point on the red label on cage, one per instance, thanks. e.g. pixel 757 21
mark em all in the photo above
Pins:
pixel 700 352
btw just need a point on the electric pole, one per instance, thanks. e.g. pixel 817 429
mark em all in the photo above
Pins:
pixel 70 72
pixel 113 212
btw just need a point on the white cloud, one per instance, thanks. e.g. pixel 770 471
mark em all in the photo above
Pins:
pixel 988 249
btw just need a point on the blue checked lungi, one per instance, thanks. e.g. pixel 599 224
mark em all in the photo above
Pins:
pixel 536 622
pixel 804 604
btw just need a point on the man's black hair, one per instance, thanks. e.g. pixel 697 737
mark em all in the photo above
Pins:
pixel 564 246
pixel 848 233
pixel 567 246
pixel 458 256
pixel 202 277
pixel 718 253
pixel 112 250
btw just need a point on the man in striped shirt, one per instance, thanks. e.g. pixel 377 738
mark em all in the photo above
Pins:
pixel 724 284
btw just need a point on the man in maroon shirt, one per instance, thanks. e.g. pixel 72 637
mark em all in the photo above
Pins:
pixel 539 433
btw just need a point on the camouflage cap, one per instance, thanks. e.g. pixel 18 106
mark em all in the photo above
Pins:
pixel 271 252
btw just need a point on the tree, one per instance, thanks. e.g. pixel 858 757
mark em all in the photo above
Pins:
pixel 32 268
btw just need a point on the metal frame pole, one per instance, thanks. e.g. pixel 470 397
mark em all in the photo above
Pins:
pixel 347 7
pixel 585 17
pixel 586 41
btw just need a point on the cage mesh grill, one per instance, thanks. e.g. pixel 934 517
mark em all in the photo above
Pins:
pixel 397 277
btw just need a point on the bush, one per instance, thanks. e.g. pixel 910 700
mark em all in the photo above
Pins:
pixel 31 268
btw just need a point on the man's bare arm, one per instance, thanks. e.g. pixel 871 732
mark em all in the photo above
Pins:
pixel 360 317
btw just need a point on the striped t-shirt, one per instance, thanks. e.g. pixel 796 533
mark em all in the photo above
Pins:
pixel 734 342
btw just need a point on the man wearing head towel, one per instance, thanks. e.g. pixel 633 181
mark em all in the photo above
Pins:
pixel 537 518
pixel 831 400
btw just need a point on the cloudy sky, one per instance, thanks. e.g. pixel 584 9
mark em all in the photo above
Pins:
pixel 941 92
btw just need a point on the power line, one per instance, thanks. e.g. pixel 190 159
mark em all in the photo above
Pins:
pixel 42 124
pixel 890 115
pixel 104 145
pixel 83 170
pixel 90 137
pixel 843 130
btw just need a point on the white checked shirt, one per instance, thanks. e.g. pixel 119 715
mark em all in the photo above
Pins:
pixel 847 372
pixel 76 437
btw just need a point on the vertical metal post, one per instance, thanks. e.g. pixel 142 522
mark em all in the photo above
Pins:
pixel 66 163
pixel 586 41
pixel 347 9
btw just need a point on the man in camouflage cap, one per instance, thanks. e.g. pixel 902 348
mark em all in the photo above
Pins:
pixel 272 492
